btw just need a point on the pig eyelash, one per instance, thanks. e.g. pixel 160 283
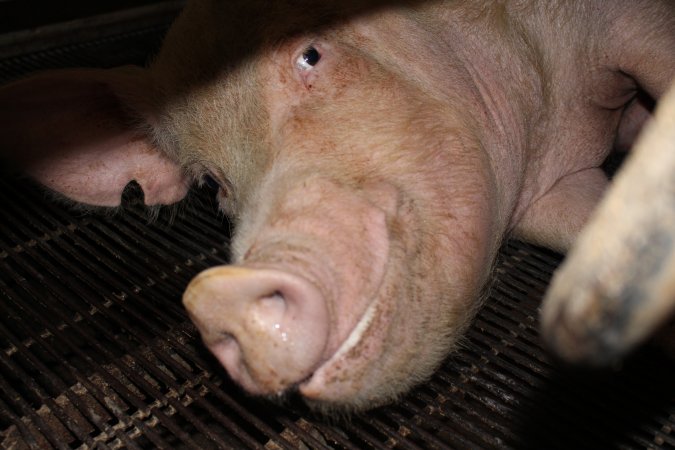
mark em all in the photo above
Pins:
pixel 221 188
pixel 309 58
pixel 208 179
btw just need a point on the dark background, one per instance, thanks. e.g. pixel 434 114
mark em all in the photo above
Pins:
pixel 16 15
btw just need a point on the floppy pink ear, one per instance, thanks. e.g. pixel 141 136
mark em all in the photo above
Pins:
pixel 70 131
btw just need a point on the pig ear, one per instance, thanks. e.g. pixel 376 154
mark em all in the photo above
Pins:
pixel 74 132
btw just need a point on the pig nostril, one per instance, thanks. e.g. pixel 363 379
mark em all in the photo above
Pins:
pixel 273 304
pixel 276 295
pixel 227 337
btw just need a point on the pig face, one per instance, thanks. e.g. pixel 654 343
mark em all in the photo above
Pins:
pixel 362 207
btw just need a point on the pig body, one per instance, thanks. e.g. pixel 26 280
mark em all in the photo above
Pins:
pixel 374 156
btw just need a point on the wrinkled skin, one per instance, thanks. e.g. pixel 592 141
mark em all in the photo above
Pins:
pixel 374 157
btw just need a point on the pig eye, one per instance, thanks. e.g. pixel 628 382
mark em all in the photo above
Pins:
pixel 309 58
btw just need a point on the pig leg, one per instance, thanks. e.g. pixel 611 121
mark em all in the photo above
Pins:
pixel 617 286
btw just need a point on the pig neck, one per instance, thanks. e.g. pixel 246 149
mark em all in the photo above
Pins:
pixel 506 87
pixel 485 73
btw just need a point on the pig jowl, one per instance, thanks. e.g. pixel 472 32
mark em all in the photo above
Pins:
pixel 373 156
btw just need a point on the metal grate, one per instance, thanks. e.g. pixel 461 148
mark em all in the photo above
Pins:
pixel 96 351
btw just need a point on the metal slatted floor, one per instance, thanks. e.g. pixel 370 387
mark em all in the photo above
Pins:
pixel 97 352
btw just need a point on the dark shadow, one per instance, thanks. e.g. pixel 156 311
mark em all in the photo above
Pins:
pixel 599 409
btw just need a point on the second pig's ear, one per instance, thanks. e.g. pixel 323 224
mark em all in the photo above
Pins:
pixel 73 131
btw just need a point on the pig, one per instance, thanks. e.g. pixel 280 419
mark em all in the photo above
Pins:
pixel 373 155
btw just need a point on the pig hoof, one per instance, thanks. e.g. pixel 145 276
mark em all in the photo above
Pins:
pixel 588 327
pixel 598 310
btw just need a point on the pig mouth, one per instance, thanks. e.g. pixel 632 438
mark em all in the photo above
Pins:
pixel 317 386
pixel 342 375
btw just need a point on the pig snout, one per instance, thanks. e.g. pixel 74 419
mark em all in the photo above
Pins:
pixel 291 311
pixel 268 328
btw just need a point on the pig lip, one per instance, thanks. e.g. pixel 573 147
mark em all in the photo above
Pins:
pixel 314 387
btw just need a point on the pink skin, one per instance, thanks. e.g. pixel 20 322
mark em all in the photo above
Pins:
pixel 372 188
pixel 264 307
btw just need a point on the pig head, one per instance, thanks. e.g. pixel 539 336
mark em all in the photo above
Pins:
pixel 373 159
pixel 364 215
